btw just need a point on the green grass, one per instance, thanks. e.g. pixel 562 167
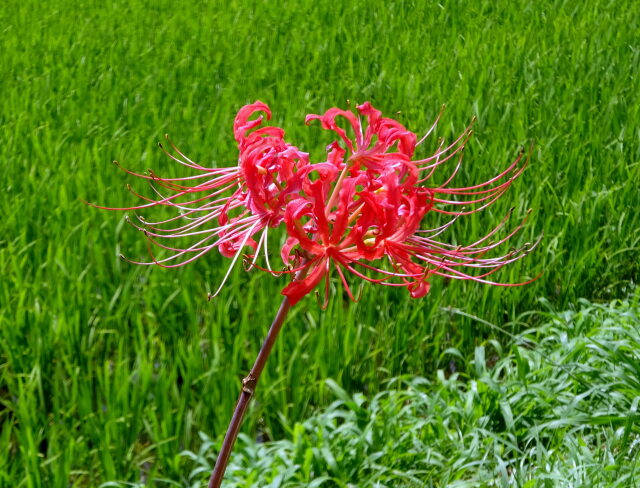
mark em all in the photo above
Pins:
pixel 108 371
pixel 555 406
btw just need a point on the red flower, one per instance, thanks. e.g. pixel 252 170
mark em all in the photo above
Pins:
pixel 229 205
pixel 360 211
pixel 373 213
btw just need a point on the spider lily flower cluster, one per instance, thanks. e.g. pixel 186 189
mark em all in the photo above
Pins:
pixel 359 212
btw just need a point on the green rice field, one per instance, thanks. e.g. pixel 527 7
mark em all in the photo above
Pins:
pixel 118 375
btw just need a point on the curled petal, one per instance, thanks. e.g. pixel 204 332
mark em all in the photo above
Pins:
pixel 242 124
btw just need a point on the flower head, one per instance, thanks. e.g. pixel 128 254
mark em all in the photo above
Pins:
pixel 358 212
pixel 368 222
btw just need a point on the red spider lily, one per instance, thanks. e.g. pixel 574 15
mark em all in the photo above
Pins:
pixel 375 208
pixel 229 205
pixel 360 211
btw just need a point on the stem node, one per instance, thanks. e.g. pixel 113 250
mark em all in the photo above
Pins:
pixel 249 384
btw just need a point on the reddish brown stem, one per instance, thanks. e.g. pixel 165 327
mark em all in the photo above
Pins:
pixel 248 387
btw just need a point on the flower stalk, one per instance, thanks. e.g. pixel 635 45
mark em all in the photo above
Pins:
pixel 249 384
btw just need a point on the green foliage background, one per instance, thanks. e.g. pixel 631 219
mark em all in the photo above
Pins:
pixel 108 370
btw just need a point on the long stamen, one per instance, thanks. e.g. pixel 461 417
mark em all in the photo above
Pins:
pixel 266 251
pixel 235 258
pixel 433 126
pixel 336 189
